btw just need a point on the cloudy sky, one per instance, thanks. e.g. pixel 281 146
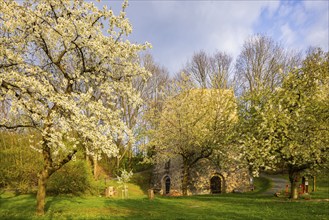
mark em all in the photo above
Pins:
pixel 177 29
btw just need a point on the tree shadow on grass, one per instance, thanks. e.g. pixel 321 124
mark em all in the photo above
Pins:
pixel 176 208
pixel 61 202
pixel 24 206
pixel 17 207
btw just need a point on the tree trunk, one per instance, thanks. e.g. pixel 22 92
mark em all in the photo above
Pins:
pixel 95 167
pixel 294 190
pixel 118 163
pixel 185 179
pixel 43 177
pixel 48 169
pixel 41 194
pixel 314 184
pixel 293 177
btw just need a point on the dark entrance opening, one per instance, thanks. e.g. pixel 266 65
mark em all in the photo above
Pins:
pixel 215 185
pixel 167 183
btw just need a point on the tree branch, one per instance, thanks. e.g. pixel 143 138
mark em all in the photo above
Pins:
pixel 8 65
pixel 13 127
pixel 68 158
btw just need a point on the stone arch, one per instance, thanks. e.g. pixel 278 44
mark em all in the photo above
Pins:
pixel 166 184
pixel 216 184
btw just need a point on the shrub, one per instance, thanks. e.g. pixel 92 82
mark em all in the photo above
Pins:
pixel 19 162
pixel 73 178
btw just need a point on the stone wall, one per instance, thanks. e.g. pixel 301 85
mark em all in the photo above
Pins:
pixel 200 176
pixel 172 169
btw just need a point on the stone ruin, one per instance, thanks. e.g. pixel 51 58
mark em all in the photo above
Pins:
pixel 205 177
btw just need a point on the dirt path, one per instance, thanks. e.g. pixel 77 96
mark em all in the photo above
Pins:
pixel 278 184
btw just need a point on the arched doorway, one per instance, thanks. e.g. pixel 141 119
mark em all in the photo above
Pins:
pixel 167 184
pixel 215 185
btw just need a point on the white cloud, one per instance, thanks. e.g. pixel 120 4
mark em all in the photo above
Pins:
pixel 288 35
pixel 185 27
pixel 316 5
pixel 299 25
pixel 272 7
pixel 234 24
pixel 317 36
pixel 177 29
pixel 317 32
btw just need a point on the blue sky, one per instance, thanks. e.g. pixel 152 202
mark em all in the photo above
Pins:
pixel 177 29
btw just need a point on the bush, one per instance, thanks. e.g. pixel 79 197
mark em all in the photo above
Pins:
pixel 73 178
pixel 19 162
pixel 20 165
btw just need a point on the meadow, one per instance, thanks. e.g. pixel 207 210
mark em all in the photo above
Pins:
pixel 251 205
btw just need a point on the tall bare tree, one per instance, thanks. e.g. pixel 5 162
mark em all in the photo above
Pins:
pixel 198 69
pixel 220 64
pixel 209 71
pixel 261 64
pixel 151 91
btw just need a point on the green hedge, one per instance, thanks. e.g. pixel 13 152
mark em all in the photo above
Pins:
pixel 73 178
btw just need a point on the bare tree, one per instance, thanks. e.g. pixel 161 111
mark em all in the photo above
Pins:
pixel 261 64
pixel 220 64
pixel 208 71
pixel 157 83
pixel 151 91
pixel 198 69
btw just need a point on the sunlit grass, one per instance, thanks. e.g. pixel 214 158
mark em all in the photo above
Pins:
pixel 252 205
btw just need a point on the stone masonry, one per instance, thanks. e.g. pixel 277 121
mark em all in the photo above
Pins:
pixel 205 177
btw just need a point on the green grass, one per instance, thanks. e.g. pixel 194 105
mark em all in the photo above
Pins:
pixel 227 206
pixel 322 187
pixel 251 205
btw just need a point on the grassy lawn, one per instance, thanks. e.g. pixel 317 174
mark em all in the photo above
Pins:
pixel 252 205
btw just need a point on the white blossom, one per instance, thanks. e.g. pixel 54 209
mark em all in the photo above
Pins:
pixel 62 75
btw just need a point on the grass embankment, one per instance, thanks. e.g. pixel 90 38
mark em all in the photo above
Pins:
pixel 322 187
pixel 261 185
pixel 252 205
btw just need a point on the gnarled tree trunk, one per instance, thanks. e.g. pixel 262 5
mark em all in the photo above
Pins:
pixel 48 169
pixel 41 194
pixel 43 178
